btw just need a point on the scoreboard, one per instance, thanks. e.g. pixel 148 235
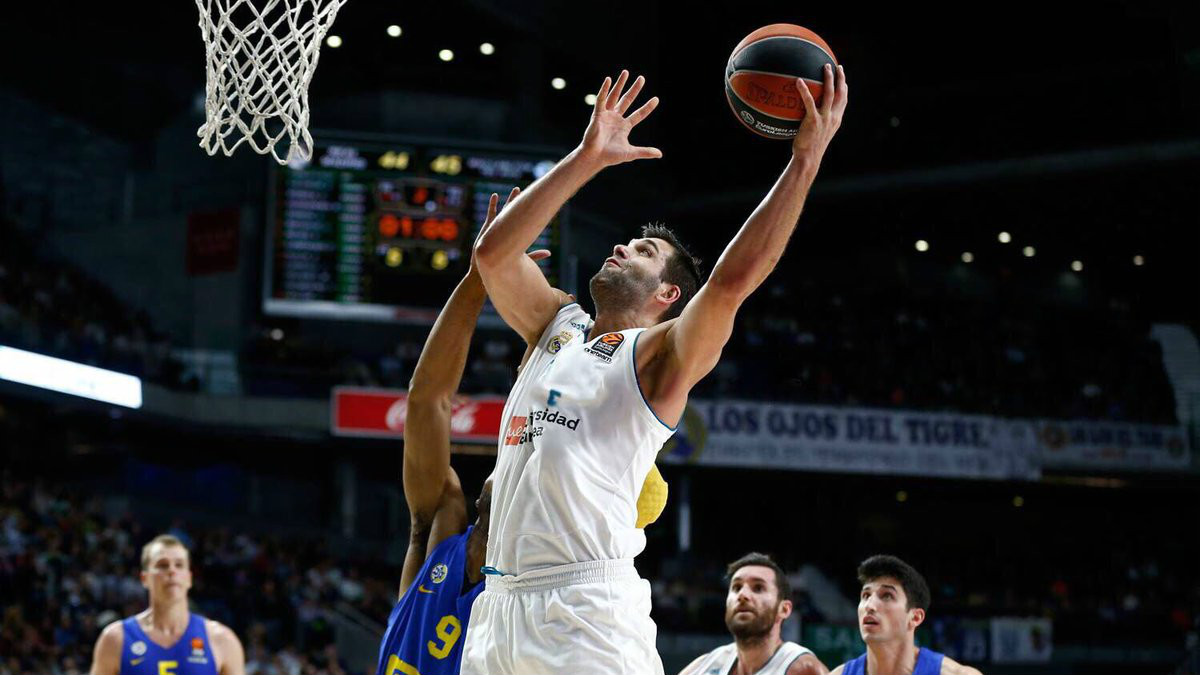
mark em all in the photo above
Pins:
pixel 378 230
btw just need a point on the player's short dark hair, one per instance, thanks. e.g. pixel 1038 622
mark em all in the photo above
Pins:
pixel 682 269
pixel 880 566
pixel 781 581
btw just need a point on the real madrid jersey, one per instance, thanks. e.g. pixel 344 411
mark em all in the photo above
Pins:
pixel 426 627
pixel 721 660
pixel 190 655
pixel 577 442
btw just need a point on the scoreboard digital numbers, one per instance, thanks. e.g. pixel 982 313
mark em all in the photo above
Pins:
pixel 383 231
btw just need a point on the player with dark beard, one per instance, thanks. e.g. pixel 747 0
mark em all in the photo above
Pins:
pixel 756 606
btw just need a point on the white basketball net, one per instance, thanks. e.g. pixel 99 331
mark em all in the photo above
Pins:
pixel 261 55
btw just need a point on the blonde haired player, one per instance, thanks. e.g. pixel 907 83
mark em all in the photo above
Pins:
pixel 597 399
pixel 167 639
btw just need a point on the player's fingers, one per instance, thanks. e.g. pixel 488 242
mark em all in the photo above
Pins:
pixel 643 112
pixel 540 254
pixel 512 195
pixel 810 106
pixel 602 95
pixel 647 153
pixel 629 96
pixel 614 94
pixel 843 90
pixel 493 201
pixel 828 90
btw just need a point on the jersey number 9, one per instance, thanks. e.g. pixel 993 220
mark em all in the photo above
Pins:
pixel 448 630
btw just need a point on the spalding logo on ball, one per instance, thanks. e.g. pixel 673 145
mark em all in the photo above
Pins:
pixel 760 79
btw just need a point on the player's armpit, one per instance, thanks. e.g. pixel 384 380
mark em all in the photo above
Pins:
pixel 676 354
pixel 106 657
pixel 448 518
pixel 522 295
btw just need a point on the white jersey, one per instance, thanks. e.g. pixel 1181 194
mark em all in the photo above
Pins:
pixel 720 661
pixel 578 440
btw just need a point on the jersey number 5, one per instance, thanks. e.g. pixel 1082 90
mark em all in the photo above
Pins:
pixel 448 630
pixel 167 667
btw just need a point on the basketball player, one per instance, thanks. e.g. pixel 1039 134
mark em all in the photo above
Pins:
pixel 444 554
pixel 167 639
pixel 597 399
pixel 441 574
pixel 756 606
pixel 892 604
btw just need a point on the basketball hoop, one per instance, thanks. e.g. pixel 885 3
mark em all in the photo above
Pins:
pixel 261 56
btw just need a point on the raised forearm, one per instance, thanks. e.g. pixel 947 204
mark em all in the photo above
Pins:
pixel 444 355
pixel 520 223
pixel 760 243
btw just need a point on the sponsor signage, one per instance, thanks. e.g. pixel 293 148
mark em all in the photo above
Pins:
pixel 854 440
pixel 382 413
pixel 1112 445
pixel 817 438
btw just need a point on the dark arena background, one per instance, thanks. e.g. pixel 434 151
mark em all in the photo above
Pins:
pixel 979 352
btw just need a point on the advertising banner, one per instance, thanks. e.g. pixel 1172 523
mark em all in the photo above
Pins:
pixel 1113 445
pixel 382 413
pixel 855 440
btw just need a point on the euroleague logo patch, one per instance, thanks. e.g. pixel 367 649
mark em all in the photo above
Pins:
pixel 606 345
pixel 138 648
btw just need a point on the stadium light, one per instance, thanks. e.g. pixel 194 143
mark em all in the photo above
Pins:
pixel 558 83
pixel 901 496
pixel 333 41
pixel 1029 251
pixel 1139 260
pixel 1077 265
pixel 394 30
pixel 1004 237
pixel 922 245
pixel 968 257
pixel 487 49
pixel 446 55
pixel 590 99
pixel 68 377
pixel 1018 501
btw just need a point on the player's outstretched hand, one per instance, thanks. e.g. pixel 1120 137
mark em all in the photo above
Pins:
pixel 821 122
pixel 492 210
pixel 607 137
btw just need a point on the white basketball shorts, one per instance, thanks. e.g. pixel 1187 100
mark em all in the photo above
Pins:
pixel 589 618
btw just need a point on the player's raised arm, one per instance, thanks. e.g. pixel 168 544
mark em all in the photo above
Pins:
pixel 516 286
pixel 693 343
pixel 431 489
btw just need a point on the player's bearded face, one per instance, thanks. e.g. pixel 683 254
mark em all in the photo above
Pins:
pixel 749 623
pixel 752 605
pixel 627 283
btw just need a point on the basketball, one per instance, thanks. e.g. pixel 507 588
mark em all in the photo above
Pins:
pixel 760 78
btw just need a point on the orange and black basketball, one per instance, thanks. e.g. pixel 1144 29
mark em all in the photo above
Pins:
pixel 760 79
